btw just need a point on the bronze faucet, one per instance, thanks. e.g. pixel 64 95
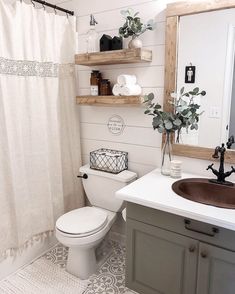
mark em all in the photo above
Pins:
pixel 221 175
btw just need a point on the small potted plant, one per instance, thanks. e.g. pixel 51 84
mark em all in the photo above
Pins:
pixel 185 115
pixel 133 27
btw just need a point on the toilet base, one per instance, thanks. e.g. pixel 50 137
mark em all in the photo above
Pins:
pixel 81 262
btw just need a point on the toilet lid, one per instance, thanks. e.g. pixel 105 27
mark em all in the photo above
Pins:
pixel 82 221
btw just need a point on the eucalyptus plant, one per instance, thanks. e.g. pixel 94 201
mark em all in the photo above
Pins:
pixel 133 26
pixel 185 115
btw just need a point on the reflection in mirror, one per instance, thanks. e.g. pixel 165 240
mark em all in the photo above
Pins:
pixel 206 47
pixel 231 126
pixel 231 141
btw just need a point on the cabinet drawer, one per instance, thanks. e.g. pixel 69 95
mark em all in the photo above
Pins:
pixel 188 227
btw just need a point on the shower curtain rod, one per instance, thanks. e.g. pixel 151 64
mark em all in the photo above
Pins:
pixel 44 3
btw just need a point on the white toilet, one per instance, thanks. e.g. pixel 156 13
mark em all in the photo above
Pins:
pixel 84 228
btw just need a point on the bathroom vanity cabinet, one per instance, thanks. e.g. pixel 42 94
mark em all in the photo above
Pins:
pixel 171 254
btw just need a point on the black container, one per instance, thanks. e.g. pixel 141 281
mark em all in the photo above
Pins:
pixel 117 43
pixel 105 43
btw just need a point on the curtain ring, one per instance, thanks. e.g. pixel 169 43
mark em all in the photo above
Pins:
pixel 67 15
pixel 33 3
pixel 43 5
pixel 55 9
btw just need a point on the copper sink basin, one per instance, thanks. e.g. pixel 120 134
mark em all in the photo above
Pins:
pixel 203 191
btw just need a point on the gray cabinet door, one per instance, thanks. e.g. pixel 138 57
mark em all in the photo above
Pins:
pixel 216 270
pixel 159 261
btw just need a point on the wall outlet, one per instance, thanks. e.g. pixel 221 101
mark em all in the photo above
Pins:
pixel 214 112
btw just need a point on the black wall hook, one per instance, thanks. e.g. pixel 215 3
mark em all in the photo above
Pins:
pixel 84 176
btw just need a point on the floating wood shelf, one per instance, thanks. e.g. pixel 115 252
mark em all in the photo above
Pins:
pixel 114 57
pixel 110 100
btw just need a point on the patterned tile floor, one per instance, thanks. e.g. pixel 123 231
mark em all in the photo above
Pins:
pixel 110 277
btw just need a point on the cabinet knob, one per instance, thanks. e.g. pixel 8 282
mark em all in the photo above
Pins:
pixel 204 254
pixel 192 248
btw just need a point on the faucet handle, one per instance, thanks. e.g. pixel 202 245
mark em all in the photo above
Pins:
pixel 210 166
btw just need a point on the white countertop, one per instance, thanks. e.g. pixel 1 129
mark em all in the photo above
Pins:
pixel 154 190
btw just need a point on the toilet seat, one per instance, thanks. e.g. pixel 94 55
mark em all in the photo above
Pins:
pixel 82 222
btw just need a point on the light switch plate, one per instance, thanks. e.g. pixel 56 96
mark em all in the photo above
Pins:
pixel 214 112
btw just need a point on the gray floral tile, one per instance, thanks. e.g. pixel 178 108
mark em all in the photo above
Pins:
pixel 58 255
pixel 110 277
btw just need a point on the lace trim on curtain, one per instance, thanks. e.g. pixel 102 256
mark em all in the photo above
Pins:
pixel 34 68
pixel 14 252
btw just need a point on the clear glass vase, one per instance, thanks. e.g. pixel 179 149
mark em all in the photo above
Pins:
pixel 179 136
pixel 166 155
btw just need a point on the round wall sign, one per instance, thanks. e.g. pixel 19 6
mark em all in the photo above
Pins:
pixel 116 125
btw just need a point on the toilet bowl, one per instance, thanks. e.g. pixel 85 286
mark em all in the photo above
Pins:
pixel 73 231
pixel 82 229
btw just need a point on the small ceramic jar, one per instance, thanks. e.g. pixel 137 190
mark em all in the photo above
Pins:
pixel 176 169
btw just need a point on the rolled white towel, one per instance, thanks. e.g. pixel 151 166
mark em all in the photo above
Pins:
pixel 126 80
pixel 117 90
pixel 130 90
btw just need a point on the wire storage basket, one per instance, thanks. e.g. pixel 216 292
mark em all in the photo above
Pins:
pixel 108 160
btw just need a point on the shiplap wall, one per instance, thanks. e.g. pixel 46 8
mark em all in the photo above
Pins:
pixel 138 138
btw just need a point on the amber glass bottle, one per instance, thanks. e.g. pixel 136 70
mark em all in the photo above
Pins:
pixel 95 81
pixel 105 87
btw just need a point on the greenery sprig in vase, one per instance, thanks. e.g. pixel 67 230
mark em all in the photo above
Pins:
pixel 134 27
pixel 185 115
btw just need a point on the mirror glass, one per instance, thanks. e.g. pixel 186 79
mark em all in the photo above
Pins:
pixel 206 48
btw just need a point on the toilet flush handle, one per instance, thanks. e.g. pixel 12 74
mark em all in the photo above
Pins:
pixel 84 176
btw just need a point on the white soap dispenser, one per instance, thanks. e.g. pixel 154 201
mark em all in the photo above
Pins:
pixel 92 36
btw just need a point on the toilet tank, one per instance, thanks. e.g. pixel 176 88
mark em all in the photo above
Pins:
pixel 100 187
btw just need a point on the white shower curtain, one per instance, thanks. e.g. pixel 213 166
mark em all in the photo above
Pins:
pixel 39 128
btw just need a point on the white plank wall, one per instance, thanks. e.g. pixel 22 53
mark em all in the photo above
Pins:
pixel 138 138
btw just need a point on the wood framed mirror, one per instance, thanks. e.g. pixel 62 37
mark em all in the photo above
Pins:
pixel 174 14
